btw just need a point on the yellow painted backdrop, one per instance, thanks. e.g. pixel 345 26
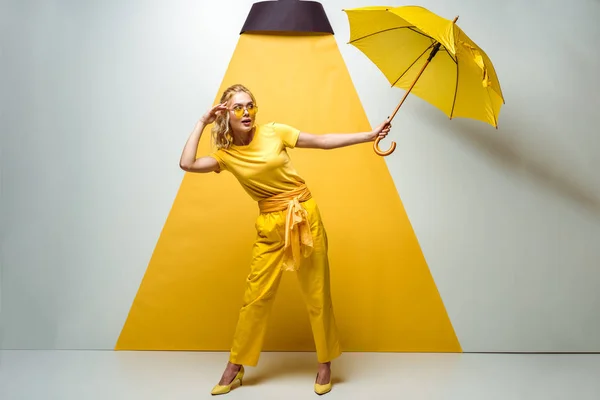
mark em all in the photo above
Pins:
pixel 384 296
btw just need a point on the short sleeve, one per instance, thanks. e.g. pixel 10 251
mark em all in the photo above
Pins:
pixel 288 134
pixel 217 155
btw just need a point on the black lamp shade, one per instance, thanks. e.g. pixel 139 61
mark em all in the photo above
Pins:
pixel 287 16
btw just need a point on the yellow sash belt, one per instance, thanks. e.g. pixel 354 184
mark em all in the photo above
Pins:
pixel 298 237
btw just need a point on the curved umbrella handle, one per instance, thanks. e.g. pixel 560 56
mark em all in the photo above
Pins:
pixel 381 152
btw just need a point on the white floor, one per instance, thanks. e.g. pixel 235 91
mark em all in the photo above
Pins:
pixel 95 375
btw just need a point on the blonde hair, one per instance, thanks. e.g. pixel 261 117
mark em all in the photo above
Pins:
pixel 221 130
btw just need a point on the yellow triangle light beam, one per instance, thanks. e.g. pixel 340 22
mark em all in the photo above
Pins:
pixel 384 296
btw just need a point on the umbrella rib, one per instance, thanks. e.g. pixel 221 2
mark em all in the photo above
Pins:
pixel 387 30
pixel 413 63
pixel 455 89
pixel 449 55
pixel 493 113
pixel 412 28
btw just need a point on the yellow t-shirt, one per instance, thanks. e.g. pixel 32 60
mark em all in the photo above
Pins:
pixel 263 167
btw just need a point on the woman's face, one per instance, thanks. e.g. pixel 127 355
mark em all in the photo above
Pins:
pixel 242 112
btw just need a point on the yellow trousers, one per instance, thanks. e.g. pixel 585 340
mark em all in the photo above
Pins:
pixel 263 281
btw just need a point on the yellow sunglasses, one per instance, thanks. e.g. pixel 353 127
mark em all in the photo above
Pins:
pixel 238 110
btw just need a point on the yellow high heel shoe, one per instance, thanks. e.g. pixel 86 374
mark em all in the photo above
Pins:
pixel 223 389
pixel 322 389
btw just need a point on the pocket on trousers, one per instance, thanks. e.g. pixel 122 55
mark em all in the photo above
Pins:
pixel 269 228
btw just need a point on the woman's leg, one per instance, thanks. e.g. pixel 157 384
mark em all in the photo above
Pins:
pixel 261 287
pixel 314 278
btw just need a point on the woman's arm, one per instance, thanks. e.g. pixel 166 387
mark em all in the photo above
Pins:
pixel 337 140
pixel 188 161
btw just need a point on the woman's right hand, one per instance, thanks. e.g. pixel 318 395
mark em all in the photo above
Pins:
pixel 210 116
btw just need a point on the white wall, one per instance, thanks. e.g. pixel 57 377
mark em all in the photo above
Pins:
pixel 98 99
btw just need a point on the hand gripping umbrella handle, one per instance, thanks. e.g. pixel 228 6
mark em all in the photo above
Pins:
pixel 389 151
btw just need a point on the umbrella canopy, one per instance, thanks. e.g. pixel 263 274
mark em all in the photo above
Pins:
pixel 429 56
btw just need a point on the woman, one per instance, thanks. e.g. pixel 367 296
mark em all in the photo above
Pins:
pixel 290 233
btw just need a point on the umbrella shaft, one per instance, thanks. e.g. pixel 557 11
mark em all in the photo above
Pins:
pixel 434 51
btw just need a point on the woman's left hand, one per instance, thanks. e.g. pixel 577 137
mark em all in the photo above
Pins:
pixel 380 131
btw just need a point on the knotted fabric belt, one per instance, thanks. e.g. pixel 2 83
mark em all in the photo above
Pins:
pixel 298 237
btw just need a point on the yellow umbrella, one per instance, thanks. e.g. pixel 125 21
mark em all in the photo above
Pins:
pixel 403 41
